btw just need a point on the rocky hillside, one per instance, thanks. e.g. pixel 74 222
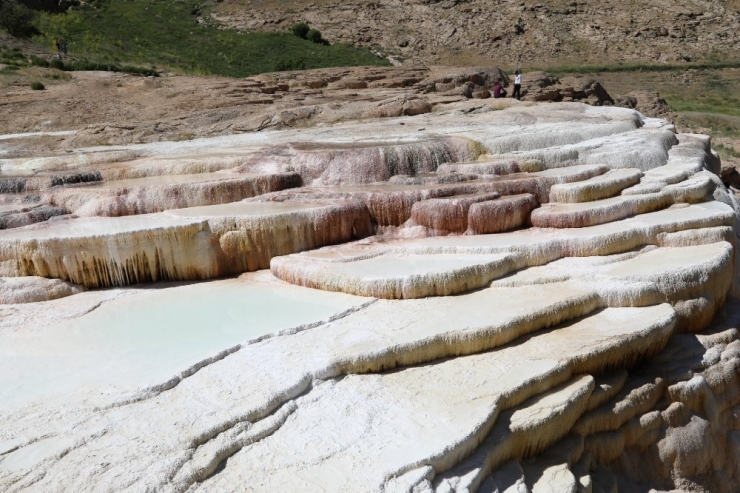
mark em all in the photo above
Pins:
pixel 509 32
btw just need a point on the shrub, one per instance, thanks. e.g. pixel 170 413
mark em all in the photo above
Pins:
pixel 301 30
pixel 17 19
pixel 314 35
pixel 290 64
pixel 39 62
pixel 102 36
pixel 37 86
pixel 107 67
pixel 85 65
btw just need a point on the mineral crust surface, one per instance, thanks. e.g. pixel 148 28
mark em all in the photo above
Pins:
pixel 481 297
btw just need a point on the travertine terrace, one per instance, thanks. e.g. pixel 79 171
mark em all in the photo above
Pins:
pixel 488 296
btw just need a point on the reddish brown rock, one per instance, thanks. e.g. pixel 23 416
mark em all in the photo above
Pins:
pixel 448 215
pixel 646 102
pixel 504 214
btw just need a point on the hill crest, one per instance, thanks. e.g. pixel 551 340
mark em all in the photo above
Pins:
pixel 540 33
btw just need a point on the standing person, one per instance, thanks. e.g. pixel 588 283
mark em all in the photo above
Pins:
pixel 517 85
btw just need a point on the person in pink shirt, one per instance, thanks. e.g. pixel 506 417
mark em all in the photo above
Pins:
pixel 499 91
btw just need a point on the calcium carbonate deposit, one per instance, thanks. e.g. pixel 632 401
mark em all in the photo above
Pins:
pixel 483 297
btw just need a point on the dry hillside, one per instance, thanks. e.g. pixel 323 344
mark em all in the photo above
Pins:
pixel 501 32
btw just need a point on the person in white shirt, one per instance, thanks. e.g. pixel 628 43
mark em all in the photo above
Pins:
pixel 517 85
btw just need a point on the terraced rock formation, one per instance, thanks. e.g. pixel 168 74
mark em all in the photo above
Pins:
pixel 537 298
pixel 125 109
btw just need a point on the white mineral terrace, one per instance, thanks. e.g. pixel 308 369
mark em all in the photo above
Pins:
pixel 533 299
pixel 154 334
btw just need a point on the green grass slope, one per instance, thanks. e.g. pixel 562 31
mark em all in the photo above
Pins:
pixel 166 34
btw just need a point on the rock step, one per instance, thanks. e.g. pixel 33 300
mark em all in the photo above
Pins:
pixel 34 289
pixel 501 167
pixel 159 193
pixel 473 214
pixel 401 276
pixel 607 185
pixel 138 196
pixel 579 214
pixel 523 431
pixel 36 182
pixel 184 244
pixel 655 266
pixel 41 173
pixel 689 157
pixel 651 422
pixel 18 215
pixel 553 471
pixel 391 205
pixel 448 215
pixel 467 394
pixel 100 252
pixel 360 162
pixel 628 427
pixel 500 215
pixel 431 179
pixel 643 149
pixel 449 265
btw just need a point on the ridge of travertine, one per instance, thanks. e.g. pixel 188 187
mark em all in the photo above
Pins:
pixel 537 298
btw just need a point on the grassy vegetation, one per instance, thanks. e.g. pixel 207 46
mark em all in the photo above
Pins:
pixel 722 105
pixel 717 124
pixel 706 96
pixel 710 88
pixel 703 89
pixel 167 33
pixel 12 57
pixel 641 67
pixel 106 67
pixel 726 150
pixel 706 93
pixel 17 19
pixel 54 75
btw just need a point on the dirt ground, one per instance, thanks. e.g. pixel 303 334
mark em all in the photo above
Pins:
pixel 115 108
